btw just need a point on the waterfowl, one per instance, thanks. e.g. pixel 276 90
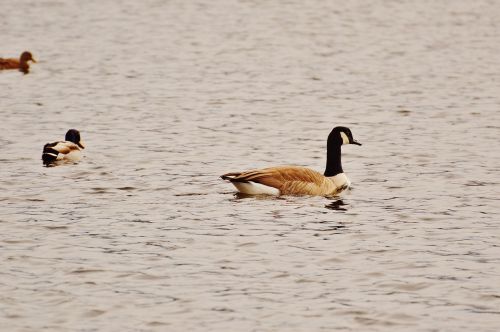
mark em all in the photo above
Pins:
pixel 295 180
pixel 68 150
pixel 21 63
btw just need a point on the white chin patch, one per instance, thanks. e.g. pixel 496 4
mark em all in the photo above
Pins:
pixel 345 139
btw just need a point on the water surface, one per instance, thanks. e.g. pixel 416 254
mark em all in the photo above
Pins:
pixel 143 236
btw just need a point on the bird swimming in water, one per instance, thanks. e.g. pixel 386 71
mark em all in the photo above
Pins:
pixel 21 63
pixel 295 180
pixel 68 150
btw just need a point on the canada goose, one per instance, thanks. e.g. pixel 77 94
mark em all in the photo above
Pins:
pixel 68 150
pixel 21 63
pixel 295 180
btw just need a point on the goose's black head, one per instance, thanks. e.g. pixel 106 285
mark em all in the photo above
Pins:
pixel 341 135
pixel 337 137
pixel 73 135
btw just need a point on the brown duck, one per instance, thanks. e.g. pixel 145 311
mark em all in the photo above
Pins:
pixel 21 63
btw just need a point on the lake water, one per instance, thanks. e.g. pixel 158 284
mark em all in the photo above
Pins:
pixel 142 235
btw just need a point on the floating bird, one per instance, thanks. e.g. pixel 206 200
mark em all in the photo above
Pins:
pixel 294 180
pixel 68 150
pixel 21 63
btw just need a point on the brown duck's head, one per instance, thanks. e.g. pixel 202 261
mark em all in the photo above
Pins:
pixel 26 56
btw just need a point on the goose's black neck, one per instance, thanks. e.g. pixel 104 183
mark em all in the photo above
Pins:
pixel 333 158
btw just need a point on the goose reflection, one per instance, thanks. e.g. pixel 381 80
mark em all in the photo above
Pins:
pixel 337 205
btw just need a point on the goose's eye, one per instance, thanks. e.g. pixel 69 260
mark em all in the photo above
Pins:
pixel 345 139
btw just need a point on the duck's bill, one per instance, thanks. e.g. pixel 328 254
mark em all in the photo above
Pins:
pixel 33 60
pixel 356 142
pixel 81 144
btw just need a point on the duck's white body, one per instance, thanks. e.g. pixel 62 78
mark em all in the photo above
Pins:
pixel 63 151
pixel 74 154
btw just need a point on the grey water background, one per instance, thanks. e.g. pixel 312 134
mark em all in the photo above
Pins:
pixel 141 235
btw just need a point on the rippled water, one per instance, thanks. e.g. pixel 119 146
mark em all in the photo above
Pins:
pixel 142 235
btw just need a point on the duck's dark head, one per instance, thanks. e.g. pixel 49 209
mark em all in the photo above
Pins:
pixel 73 135
pixel 341 135
pixel 23 62
pixel 26 56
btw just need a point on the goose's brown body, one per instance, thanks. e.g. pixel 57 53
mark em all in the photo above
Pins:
pixel 291 180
